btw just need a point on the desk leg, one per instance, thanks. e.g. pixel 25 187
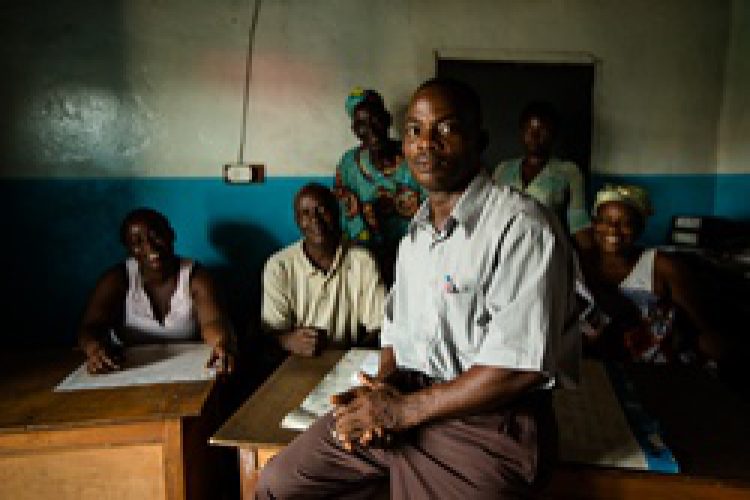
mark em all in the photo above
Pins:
pixel 174 472
pixel 248 458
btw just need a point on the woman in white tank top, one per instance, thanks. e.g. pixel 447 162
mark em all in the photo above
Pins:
pixel 640 290
pixel 154 296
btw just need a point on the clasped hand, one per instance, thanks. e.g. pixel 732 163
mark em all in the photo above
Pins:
pixel 368 414
pixel 303 341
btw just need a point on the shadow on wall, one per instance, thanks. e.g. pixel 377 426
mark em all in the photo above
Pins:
pixel 245 248
pixel 59 237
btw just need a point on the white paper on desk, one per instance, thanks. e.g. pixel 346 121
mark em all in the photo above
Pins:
pixel 343 376
pixel 148 364
pixel 592 426
pixel 370 365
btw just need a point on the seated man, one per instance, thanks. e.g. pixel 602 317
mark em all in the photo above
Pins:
pixel 319 289
pixel 479 326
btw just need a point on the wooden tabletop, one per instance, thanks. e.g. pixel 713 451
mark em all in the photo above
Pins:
pixel 705 425
pixel 27 401
pixel 258 421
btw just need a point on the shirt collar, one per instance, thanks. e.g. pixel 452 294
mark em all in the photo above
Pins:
pixel 421 217
pixel 311 269
pixel 470 204
pixel 467 210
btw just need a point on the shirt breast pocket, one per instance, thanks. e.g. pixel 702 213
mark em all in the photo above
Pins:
pixel 464 317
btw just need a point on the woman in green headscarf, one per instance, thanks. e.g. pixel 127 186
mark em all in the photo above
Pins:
pixel 376 191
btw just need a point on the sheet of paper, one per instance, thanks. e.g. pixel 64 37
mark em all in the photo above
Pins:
pixel 593 427
pixel 148 364
pixel 343 376
pixel 369 365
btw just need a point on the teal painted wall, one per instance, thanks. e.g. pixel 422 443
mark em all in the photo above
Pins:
pixel 60 235
pixel 732 197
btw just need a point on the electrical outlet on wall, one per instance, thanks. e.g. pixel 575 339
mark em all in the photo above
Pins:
pixel 244 173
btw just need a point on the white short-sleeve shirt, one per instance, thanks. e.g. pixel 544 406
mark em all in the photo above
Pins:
pixel 495 287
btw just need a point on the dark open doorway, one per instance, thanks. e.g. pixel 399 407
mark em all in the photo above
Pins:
pixel 506 87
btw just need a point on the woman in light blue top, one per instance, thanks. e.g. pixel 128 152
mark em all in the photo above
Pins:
pixel 555 183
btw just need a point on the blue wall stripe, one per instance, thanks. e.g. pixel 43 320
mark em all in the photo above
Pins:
pixel 60 234
pixel 732 196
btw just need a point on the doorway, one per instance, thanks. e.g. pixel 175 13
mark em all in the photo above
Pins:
pixel 505 87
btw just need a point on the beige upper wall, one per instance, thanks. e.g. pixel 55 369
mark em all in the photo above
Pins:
pixel 734 131
pixel 658 90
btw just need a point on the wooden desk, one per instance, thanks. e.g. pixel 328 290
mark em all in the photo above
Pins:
pixel 706 427
pixel 255 429
pixel 140 442
pixel 711 439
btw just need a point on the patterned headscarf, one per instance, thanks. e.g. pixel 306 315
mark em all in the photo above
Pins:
pixel 633 196
pixel 359 95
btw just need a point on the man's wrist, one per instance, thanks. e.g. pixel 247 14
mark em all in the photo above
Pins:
pixel 413 410
pixel 386 376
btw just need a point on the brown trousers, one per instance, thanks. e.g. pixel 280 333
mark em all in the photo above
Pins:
pixel 504 454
